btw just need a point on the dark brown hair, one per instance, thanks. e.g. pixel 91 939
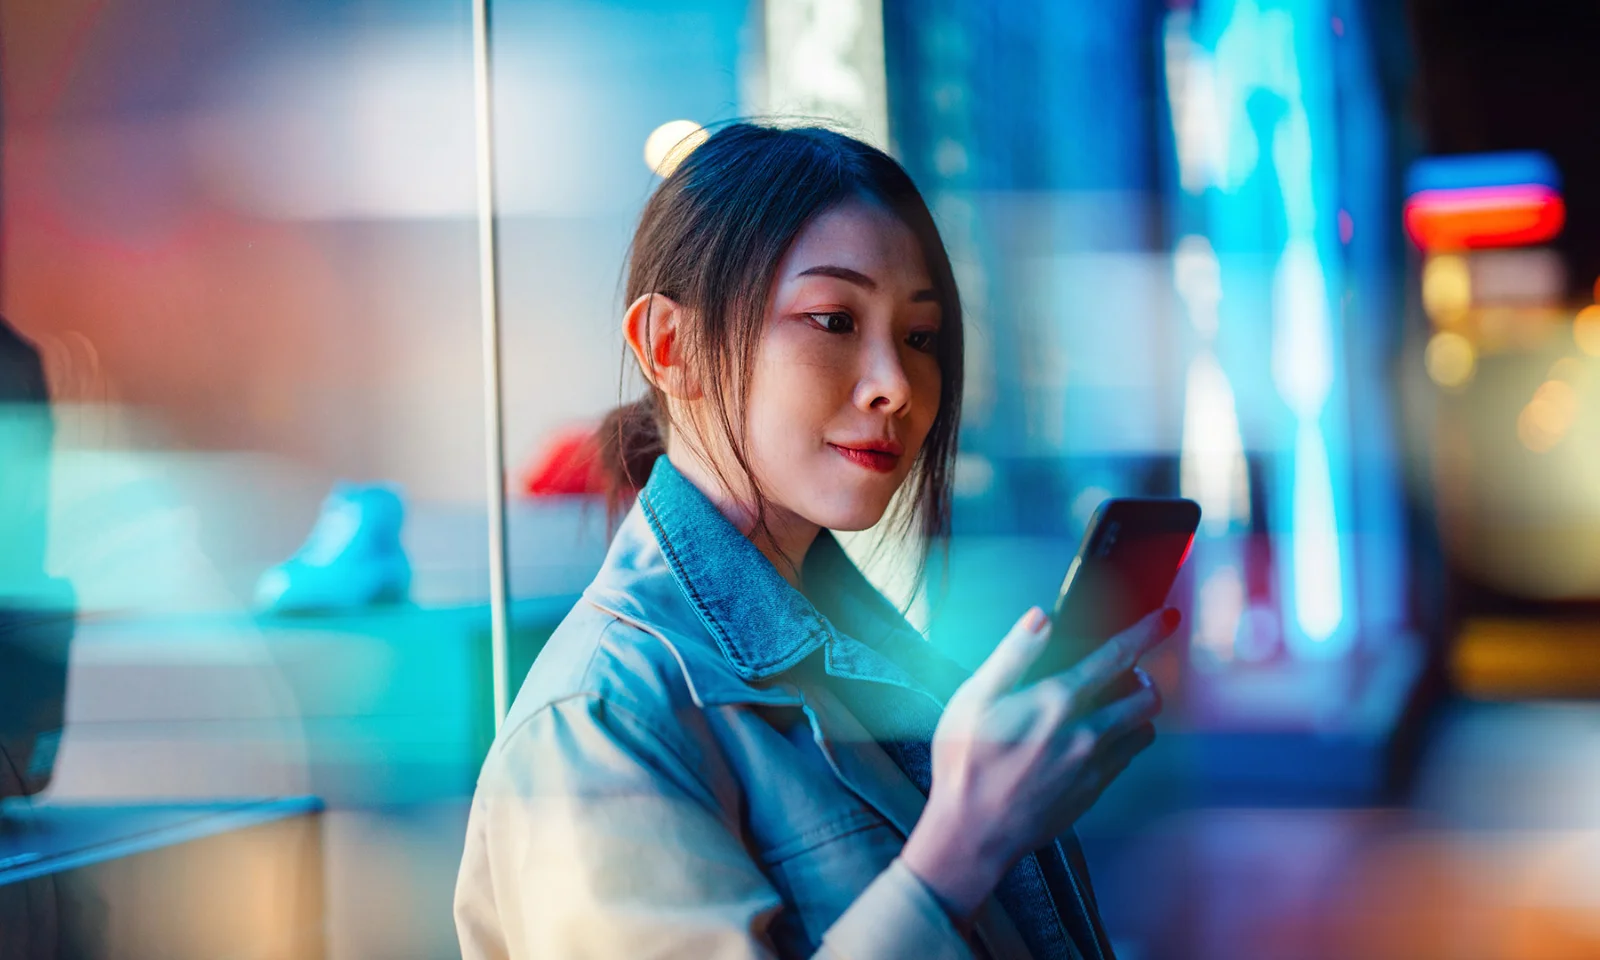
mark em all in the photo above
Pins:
pixel 712 237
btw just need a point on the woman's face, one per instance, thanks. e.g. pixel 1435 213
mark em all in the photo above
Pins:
pixel 846 382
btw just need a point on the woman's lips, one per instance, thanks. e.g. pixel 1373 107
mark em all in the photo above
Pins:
pixel 878 461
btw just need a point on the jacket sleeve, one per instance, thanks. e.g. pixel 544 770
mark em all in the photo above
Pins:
pixel 591 836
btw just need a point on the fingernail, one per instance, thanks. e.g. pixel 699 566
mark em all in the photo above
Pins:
pixel 1170 617
pixel 1034 620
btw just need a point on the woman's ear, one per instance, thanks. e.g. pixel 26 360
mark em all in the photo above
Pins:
pixel 653 326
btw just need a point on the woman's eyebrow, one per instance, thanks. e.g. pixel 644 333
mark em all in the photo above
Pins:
pixel 860 279
pixel 840 273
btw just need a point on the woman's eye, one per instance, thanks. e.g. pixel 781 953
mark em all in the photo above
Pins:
pixel 834 322
pixel 925 340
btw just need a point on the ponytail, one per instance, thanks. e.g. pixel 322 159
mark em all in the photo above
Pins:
pixel 630 439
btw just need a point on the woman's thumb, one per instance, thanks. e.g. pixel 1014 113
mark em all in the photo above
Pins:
pixel 1010 660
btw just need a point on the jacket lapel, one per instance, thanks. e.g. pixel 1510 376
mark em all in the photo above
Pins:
pixel 861 763
pixel 864 766
pixel 890 715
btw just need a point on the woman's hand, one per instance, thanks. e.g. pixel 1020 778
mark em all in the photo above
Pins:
pixel 1013 769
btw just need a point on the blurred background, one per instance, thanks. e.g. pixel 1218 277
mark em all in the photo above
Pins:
pixel 1328 267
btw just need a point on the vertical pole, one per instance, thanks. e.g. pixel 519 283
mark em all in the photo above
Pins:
pixel 489 306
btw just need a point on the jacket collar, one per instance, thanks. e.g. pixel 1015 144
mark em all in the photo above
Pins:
pixel 762 625
pixel 679 568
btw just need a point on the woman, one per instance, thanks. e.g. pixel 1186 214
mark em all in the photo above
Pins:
pixel 735 746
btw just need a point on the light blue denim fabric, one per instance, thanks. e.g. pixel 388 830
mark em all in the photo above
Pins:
pixel 704 761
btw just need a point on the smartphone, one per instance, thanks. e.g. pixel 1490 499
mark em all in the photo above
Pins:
pixel 1125 567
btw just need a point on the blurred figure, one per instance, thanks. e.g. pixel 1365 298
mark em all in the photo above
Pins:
pixel 36 624
pixel 35 610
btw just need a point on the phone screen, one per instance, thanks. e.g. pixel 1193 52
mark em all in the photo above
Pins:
pixel 1129 559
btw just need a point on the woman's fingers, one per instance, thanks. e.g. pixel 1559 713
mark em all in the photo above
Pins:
pixel 1009 662
pixel 1112 721
pixel 1116 753
pixel 1119 654
pixel 1106 763
pixel 1122 716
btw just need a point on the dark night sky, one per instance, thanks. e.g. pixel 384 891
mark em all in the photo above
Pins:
pixel 1518 74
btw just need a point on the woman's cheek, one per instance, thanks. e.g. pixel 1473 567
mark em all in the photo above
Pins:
pixel 815 373
pixel 927 388
pixel 817 350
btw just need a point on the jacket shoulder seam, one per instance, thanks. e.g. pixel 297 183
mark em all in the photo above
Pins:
pixel 636 723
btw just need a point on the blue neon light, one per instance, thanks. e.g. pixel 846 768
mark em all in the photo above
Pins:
pixel 1465 171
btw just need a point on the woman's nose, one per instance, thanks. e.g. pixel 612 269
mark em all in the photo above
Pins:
pixel 884 386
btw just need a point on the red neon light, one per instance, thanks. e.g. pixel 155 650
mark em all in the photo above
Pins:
pixel 1484 217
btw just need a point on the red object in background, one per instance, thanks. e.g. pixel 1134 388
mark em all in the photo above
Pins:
pixel 569 464
pixel 1506 216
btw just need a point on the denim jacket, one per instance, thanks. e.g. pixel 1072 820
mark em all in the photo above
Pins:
pixel 705 762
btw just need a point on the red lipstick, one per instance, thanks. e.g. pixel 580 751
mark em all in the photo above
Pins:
pixel 879 456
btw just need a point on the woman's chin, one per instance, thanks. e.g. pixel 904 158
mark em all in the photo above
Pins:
pixel 848 499
pixel 849 516
pixel 850 526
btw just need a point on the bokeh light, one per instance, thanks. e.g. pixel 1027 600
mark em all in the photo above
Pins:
pixel 1446 289
pixel 669 143
pixel 1586 330
pixel 1451 359
pixel 1569 369
pixel 1548 416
